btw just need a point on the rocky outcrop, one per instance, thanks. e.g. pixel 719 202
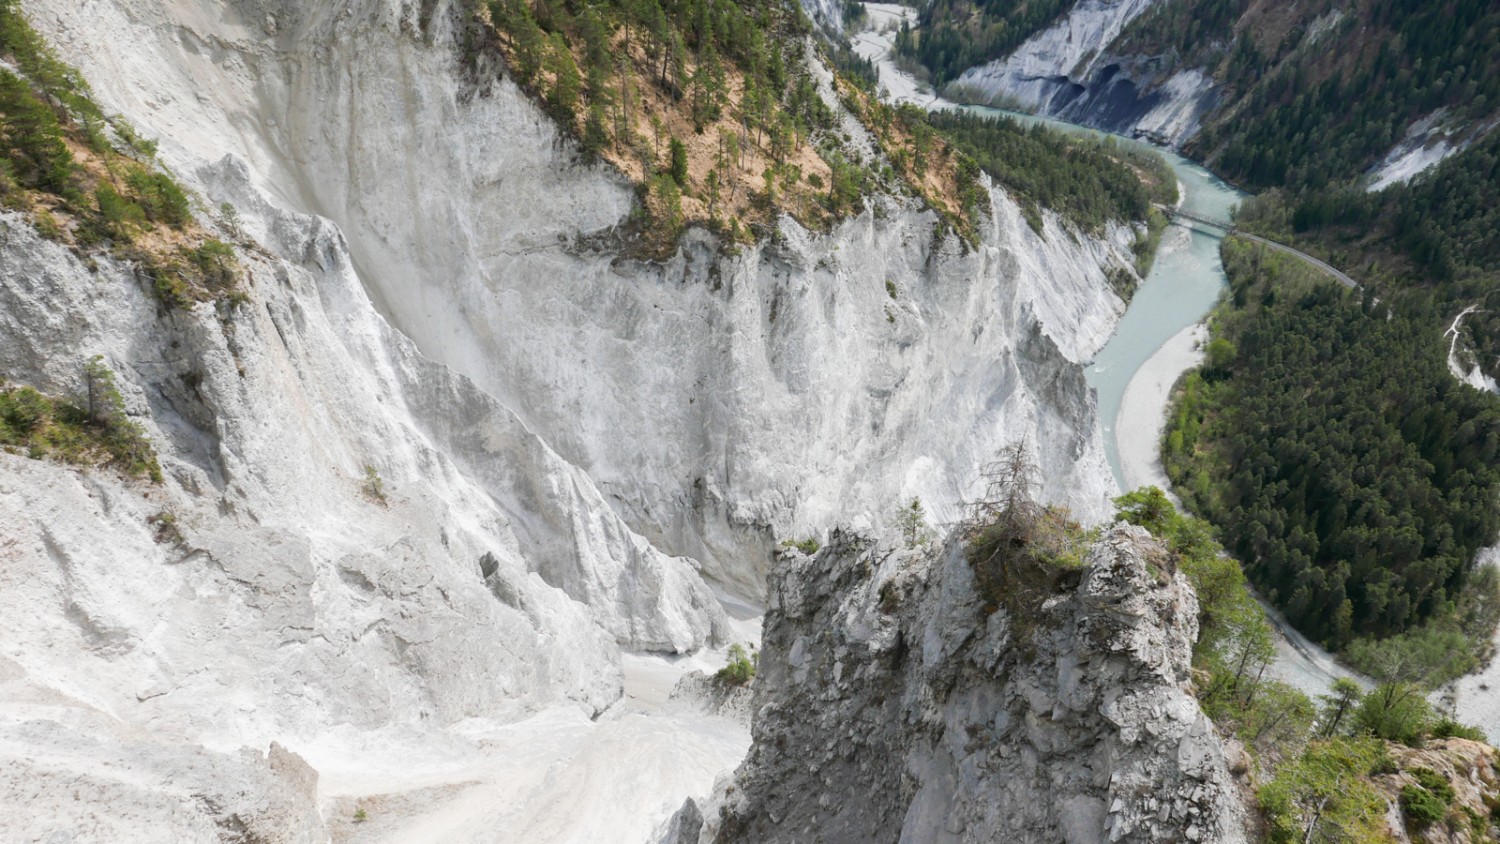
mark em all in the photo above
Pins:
pixel 714 695
pixel 1472 771
pixel 893 705
pixel 1070 71
pixel 1425 144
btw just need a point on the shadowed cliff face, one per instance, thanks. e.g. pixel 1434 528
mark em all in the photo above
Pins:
pixel 891 706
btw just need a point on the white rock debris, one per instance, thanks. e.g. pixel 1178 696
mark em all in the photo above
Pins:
pixel 827 14
pixel 1461 360
pixel 1425 144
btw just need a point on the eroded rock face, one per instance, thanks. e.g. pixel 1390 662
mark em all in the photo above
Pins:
pixel 827 14
pixel 1069 71
pixel 572 444
pixel 713 400
pixel 891 707
pixel 714 695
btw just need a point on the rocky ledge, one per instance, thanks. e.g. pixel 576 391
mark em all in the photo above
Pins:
pixel 894 703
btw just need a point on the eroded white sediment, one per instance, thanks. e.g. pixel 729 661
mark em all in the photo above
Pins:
pixel 1476 698
pixel 827 14
pixel 877 41
pixel 1407 161
pixel 1068 50
pixel 1469 372
pixel 293 602
pixel 567 439
pixel 1069 71
pixel 1143 411
pixel 1425 143
pixel 557 775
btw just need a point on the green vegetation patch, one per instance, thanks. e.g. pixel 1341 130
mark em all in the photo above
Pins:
pixel 58 164
pixel 96 432
pixel 740 669
pixel 1430 247
pixel 1089 182
pixel 713 93
pixel 59 82
pixel 1319 102
pixel 1318 763
pixel 1426 802
pixel 1235 641
pixel 710 108
pixel 1353 475
pixel 1324 794
pixel 808 546
pixel 1021 552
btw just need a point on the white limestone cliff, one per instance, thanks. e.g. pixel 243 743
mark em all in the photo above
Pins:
pixel 578 449
pixel 828 15
pixel 676 387
pixel 1071 71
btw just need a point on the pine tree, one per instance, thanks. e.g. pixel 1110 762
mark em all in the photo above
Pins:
pixel 566 83
pixel 658 128
pixel 667 197
pixel 31 137
pixel 679 169
pixel 595 134
pixel 530 43
pixel 1344 696
pixel 595 38
pixel 912 521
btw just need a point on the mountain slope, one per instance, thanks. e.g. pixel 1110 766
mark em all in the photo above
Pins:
pixel 496 206
pixel 1264 93
pixel 453 455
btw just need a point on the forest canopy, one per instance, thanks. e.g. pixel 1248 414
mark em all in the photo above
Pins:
pixel 1433 244
pixel 1087 181
pixel 1352 474
pixel 1316 94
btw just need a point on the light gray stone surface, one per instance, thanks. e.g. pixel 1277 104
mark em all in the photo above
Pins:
pixel 891 705
pixel 714 401
pixel 573 445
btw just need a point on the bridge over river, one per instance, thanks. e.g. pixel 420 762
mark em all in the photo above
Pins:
pixel 1177 215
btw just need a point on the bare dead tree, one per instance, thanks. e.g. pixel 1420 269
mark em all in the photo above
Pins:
pixel 1009 498
pixel 1001 523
